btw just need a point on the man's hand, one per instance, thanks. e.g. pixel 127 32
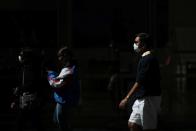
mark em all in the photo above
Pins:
pixel 123 103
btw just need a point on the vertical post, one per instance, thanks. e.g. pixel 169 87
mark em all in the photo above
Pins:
pixel 152 20
pixel 58 22
pixel 64 23
pixel 69 22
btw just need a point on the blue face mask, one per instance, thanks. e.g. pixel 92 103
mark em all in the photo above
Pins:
pixel 136 48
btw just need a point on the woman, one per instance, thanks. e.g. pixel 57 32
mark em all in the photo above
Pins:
pixel 66 89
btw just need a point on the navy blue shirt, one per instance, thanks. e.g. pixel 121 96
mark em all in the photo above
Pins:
pixel 148 76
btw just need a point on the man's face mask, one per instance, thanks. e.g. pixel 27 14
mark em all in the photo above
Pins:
pixel 136 48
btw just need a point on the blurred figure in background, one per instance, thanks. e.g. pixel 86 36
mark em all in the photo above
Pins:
pixel 28 94
pixel 114 87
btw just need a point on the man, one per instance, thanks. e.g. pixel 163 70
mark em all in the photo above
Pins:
pixel 146 87
pixel 66 89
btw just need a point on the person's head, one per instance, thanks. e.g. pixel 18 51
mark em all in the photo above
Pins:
pixel 142 43
pixel 64 55
pixel 26 56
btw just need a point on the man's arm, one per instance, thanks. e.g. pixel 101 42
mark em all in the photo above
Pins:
pixel 124 101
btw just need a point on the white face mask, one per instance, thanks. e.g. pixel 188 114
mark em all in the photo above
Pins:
pixel 20 58
pixel 136 48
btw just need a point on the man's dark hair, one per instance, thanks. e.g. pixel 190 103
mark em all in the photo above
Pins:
pixel 146 40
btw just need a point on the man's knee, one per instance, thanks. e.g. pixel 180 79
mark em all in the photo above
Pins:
pixel 134 126
pixel 130 124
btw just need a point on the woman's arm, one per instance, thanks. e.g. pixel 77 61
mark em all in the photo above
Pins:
pixel 63 79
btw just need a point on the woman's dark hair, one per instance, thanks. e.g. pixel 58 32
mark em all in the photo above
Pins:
pixel 65 51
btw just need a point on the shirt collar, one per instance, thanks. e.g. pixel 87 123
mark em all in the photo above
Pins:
pixel 146 53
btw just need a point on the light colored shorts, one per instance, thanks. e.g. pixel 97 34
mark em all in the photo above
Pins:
pixel 145 112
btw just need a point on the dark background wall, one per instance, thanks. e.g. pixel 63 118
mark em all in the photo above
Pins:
pixel 100 22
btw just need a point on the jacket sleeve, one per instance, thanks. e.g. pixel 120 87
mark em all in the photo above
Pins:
pixel 62 78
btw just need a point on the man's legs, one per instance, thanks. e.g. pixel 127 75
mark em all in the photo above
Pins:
pixel 135 119
pixel 150 130
pixel 134 127
pixel 144 114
